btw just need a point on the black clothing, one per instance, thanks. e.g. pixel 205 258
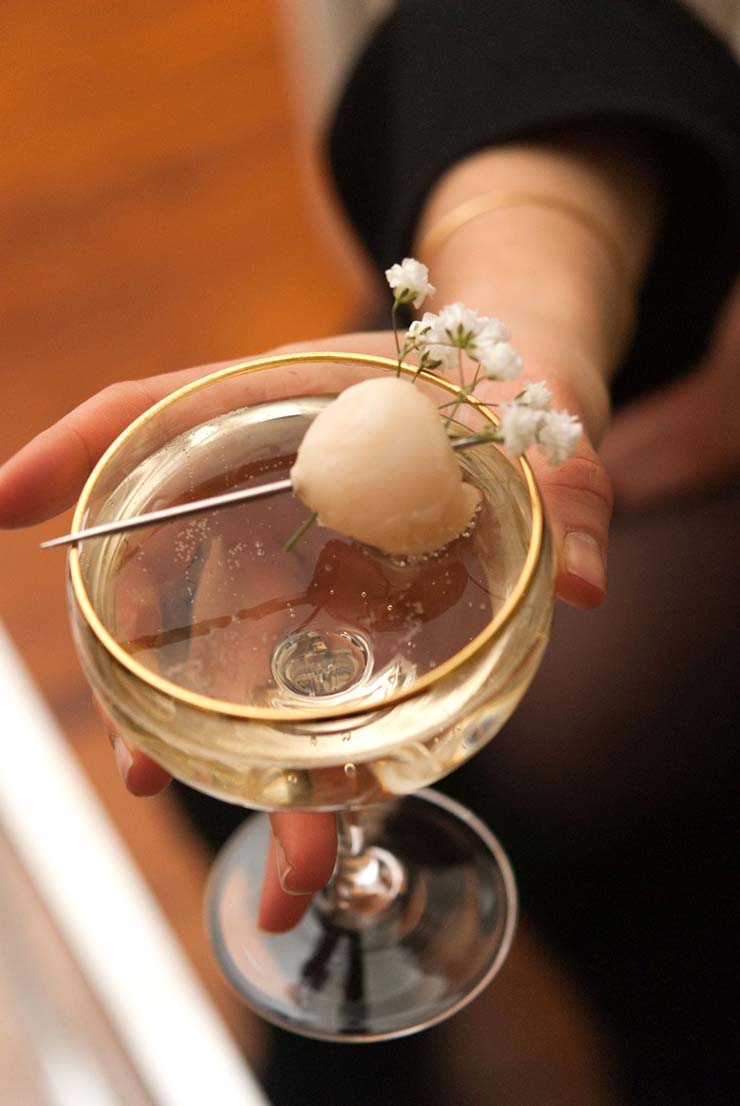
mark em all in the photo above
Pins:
pixel 443 78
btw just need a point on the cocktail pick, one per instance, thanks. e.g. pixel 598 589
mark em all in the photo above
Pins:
pixel 198 506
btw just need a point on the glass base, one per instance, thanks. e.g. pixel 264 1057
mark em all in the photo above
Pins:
pixel 365 975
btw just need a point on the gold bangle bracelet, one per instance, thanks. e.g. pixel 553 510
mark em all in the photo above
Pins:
pixel 440 233
pixel 462 214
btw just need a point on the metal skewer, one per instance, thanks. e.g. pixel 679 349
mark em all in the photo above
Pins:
pixel 181 510
pixel 197 506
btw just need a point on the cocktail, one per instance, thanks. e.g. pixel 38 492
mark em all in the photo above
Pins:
pixel 329 677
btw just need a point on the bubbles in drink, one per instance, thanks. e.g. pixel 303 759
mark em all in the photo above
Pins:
pixel 241 628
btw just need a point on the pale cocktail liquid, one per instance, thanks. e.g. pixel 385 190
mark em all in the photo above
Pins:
pixel 215 604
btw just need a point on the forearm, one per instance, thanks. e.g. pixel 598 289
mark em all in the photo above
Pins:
pixel 566 293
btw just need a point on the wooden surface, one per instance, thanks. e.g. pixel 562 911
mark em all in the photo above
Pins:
pixel 152 216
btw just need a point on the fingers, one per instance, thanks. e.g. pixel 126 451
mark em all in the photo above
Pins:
pixel 303 851
pixel 577 494
pixel 142 776
pixel 278 911
pixel 46 476
pixel 677 441
pixel 578 502
pixel 686 436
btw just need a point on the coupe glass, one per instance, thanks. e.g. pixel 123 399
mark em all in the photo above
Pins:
pixel 329 678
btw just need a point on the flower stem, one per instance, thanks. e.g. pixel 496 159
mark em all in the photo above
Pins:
pixel 465 391
pixel 394 324
pixel 296 537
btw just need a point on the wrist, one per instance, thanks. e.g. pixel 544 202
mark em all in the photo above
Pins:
pixel 542 297
pixel 542 281
pixel 552 237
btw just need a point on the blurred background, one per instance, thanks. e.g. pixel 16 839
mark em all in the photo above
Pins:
pixel 163 204
pixel 158 209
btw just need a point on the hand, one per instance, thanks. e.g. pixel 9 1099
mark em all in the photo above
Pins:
pixel 685 437
pixel 47 475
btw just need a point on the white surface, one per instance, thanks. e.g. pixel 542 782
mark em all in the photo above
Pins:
pixel 106 914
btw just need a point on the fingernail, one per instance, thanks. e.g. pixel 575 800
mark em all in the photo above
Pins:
pixel 286 874
pixel 584 558
pixel 124 760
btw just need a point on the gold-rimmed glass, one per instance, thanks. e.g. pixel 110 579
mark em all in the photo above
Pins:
pixel 329 678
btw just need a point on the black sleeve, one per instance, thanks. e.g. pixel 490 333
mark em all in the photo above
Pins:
pixel 442 78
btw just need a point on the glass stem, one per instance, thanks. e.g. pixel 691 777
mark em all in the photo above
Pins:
pixel 368 880
pixel 350 834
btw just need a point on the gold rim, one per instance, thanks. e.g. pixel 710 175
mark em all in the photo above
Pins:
pixel 236 710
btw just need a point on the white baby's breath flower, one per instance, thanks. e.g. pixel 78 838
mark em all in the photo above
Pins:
pixel 499 360
pixel 458 324
pixel 535 393
pixel 426 327
pixel 438 337
pixel 559 435
pixel 492 330
pixel 415 333
pixel 410 281
pixel 445 358
pixel 519 426
pixel 429 338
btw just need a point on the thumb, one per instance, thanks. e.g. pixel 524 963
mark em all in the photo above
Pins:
pixel 578 501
